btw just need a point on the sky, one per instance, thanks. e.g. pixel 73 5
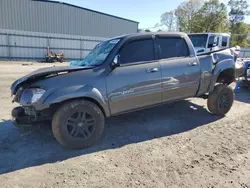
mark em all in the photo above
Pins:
pixel 147 12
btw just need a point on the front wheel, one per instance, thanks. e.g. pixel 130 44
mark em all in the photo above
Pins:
pixel 220 100
pixel 78 124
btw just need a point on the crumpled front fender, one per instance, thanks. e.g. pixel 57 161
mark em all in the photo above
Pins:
pixel 74 92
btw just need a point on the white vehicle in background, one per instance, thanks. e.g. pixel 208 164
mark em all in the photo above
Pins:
pixel 212 42
pixel 207 42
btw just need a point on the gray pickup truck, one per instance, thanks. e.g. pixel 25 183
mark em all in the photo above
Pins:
pixel 121 75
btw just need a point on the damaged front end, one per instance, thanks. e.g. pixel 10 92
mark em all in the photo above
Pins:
pixel 26 116
pixel 31 96
pixel 29 113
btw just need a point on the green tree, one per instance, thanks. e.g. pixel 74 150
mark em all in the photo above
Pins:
pixel 185 14
pixel 238 11
pixel 240 34
pixel 140 30
pixel 239 29
pixel 168 20
pixel 143 30
pixel 211 17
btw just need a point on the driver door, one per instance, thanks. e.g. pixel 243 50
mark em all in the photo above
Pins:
pixel 136 83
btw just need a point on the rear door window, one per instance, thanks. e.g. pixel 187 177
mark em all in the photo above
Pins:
pixel 224 41
pixel 172 47
pixel 137 51
pixel 210 42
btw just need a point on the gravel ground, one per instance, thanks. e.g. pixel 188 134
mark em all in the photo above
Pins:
pixel 175 145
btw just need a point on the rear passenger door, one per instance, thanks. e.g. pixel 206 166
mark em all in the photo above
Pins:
pixel 180 71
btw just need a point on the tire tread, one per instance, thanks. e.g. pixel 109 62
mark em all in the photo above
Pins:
pixel 56 123
pixel 213 97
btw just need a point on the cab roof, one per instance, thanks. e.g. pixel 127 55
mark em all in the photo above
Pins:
pixel 220 34
pixel 170 34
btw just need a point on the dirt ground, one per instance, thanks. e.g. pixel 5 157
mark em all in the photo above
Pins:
pixel 175 145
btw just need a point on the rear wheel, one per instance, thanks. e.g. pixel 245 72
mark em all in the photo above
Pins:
pixel 220 100
pixel 78 124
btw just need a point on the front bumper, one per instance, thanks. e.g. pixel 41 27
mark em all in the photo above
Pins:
pixel 26 116
pixel 19 118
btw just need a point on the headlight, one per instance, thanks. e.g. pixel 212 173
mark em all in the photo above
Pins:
pixel 37 94
pixel 32 95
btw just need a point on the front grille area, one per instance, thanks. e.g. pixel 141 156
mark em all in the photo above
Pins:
pixel 30 111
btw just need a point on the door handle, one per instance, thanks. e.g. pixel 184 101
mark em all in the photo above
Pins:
pixel 193 64
pixel 152 70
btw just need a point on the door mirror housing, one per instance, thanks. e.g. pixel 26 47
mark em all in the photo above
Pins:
pixel 211 45
pixel 116 62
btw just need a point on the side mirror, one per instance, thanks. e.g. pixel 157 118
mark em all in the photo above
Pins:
pixel 211 45
pixel 116 62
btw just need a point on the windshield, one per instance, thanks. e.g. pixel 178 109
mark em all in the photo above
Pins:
pixel 199 40
pixel 99 53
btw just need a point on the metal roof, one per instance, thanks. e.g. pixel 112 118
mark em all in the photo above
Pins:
pixel 170 34
pixel 59 2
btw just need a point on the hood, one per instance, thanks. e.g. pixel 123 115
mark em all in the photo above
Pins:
pixel 43 73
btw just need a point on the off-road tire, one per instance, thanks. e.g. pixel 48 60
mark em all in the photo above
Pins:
pixel 59 124
pixel 215 97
